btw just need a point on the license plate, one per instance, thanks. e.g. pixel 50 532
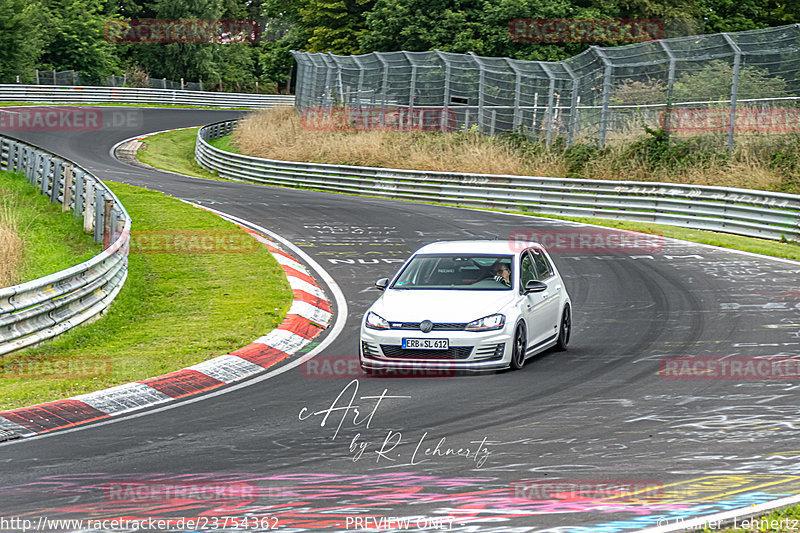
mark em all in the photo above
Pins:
pixel 426 344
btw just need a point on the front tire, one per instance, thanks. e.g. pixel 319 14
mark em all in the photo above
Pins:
pixel 564 330
pixel 519 348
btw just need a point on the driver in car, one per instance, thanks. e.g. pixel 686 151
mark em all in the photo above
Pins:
pixel 502 273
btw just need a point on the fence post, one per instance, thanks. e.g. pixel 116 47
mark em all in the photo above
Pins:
pixel 164 83
pixel 607 72
pixel 181 84
pixel 573 106
pixel 481 87
pixel 342 96
pixel 737 61
pixel 446 97
pixel 412 90
pixel 384 85
pixel 551 91
pixel 359 103
pixel 37 76
pixel 517 92
pixel 670 85
pixel 108 205
pixel 74 78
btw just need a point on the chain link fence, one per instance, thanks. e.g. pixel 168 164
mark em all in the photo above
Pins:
pixel 720 85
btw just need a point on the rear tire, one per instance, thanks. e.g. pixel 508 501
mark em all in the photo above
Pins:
pixel 519 348
pixel 565 329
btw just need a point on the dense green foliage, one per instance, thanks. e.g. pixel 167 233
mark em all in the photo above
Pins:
pixel 69 34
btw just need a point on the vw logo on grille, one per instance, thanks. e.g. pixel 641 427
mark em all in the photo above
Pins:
pixel 425 326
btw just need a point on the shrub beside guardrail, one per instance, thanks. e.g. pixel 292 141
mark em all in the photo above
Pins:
pixel 751 213
pixel 43 308
pixel 134 95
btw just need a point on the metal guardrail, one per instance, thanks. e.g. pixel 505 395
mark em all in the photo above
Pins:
pixel 751 213
pixel 43 308
pixel 134 95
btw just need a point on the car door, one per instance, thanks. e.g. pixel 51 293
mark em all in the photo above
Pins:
pixel 548 314
pixel 532 303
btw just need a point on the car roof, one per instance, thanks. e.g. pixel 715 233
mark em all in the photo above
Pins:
pixel 500 247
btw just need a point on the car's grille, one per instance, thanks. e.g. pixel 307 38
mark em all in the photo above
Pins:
pixel 442 326
pixel 455 352
pixel 492 351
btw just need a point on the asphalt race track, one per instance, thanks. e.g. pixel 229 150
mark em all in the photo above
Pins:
pixel 592 439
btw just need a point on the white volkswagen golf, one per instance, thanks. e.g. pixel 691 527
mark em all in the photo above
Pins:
pixel 471 305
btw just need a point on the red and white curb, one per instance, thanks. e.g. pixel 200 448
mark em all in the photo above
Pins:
pixel 309 314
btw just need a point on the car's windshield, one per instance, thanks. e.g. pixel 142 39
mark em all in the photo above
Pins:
pixel 463 272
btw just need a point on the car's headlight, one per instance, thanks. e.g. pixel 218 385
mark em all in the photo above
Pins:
pixel 487 323
pixel 375 321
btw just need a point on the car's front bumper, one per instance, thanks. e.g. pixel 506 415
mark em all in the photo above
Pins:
pixel 382 349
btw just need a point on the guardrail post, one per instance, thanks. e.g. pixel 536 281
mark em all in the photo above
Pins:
pixel 79 186
pixel 99 207
pixel 737 61
pixel 17 156
pixel 88 212
pixel 45 185
pixel 359 104
pixel 67 203
pixel 607 72
pixel 58 169
pixel 108 205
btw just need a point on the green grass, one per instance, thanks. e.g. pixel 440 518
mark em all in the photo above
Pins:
pixel 176 309
pixel 53 240
pixel 174 151
pixel 183 158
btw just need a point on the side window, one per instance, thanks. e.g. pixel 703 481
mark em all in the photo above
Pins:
pixel 543 267
pixel 527 270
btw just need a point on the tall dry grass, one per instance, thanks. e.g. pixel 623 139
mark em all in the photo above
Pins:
pixel 277 134
pixel 11 245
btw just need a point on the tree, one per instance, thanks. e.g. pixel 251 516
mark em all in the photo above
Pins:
pixel 713 82
pixel 20 39
pixel 78 42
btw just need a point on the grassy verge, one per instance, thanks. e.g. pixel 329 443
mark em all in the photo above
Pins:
pixel 51 240
pixel 182 160
pixel 173 151
pixel 765 162
pixel 176 309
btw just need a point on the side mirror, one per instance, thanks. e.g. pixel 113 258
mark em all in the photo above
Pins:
pixel 382 283
pixel 535 286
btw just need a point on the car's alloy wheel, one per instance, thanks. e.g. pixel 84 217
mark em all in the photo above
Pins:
pixel 565 330
pixel 518 352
